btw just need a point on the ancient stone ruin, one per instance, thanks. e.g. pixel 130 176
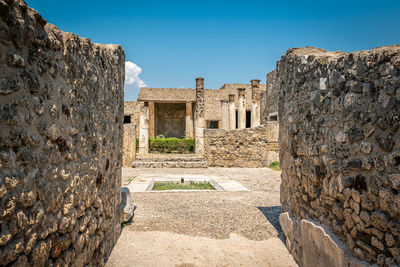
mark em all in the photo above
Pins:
pixel 340 154
pixel 61 112
pixel 61 123
pixel 172 110
pixel 223 122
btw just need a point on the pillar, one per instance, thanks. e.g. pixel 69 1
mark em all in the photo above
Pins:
pixel 144 131
pixel 199 118
pixel 152 120
pixel 232 112
pixel 189 120
pixel 255 103
pixel 224 115
pixel 128 144
pixel 241 109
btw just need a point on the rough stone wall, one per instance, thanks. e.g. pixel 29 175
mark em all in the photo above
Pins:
pixel 61 111
pixel 129 145
pixel 271 97
pixel 263 105
pixel 132 108
pixel 340 146
pixel 166 94
pixel 251 147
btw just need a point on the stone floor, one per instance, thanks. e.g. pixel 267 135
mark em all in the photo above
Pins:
pixel 215 228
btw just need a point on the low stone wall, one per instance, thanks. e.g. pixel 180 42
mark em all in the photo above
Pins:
pixel 252 147
pixel 61 112
pixel 129 145
pixel 340 153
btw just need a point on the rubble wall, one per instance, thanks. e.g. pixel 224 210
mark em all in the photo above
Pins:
pixel 340 151
pixel 250 148
pixel 61 112
pixel 271 98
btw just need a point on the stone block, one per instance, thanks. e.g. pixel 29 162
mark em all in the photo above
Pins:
pixel 127 207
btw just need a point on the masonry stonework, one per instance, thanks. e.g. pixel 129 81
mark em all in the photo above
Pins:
pixel 250 148
pixel 129 145
pixel 271 99
pixel 340 155
pixel 61 112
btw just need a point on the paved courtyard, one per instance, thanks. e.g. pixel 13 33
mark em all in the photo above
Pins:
pixel 217 228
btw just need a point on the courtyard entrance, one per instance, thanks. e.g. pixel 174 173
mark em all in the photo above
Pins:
pixel 204 228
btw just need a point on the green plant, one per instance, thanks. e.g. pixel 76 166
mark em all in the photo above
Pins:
pixel 275 165
pixel 160 136
pixel 186 186
pixel 171 145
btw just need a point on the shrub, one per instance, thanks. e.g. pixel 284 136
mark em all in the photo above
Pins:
pixel 275 165
pixel 171 145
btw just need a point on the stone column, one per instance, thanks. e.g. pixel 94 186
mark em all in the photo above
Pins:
pixel 241 109
pixel 232 112
pixel 199 118
pixel 224 115
pixel 152 120
pixel 144 131
pixel 189 120
pixel 255 103
pixel 128 144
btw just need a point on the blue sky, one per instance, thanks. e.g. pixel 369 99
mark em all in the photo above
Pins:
pixel 173 42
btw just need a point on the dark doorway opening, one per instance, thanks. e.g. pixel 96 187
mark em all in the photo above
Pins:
pixel 248 118
pixel 127 119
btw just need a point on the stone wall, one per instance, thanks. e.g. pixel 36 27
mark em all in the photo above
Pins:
pixel 61 111
pixel 271 97
pixel 129 144
pixel 340 154
pixel 132 108
pixel 251 147
pixel 170 119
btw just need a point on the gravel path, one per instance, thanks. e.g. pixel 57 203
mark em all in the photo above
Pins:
pixel 208 214
pixel 253 214
pixel 213 228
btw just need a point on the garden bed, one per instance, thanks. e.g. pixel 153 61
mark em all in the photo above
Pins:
pixel 182 186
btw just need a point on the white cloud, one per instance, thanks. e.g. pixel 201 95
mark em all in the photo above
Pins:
pixel 132 78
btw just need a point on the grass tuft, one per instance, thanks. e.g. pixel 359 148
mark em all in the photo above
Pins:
pixel 275 165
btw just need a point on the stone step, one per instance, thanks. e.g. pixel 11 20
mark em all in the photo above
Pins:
pixel 169 164
pixel 169 159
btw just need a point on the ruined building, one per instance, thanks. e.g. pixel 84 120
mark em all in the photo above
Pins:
pixel 224 123
pixel 172 110
pixel 61 122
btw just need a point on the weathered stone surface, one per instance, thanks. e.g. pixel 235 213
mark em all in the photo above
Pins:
pixel 269 98
pixel 61 110
pixel 127 206
pixel 252 147
pixel 347 124
pixel 129 144
pixel 312 244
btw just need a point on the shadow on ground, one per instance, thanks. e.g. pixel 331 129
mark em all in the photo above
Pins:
pixel 272 215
